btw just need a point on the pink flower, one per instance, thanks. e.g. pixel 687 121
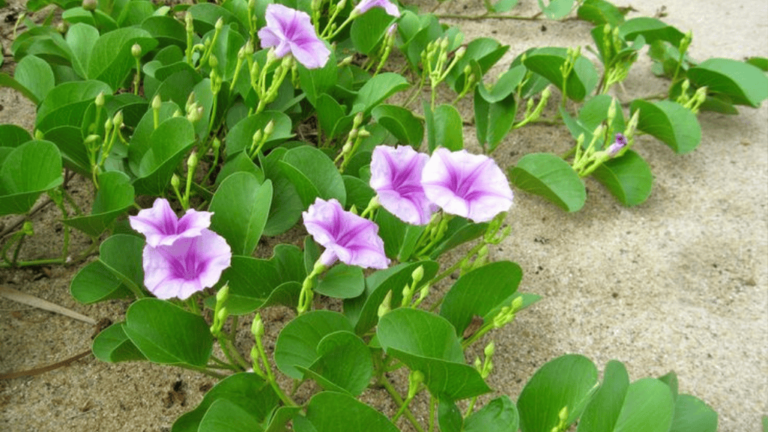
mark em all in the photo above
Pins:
pixel 366 5
pixel 161 226
pixel 467 185
pixel 396 178
pixel 618 144
pixel 289 30
pixel 187 266
pixel 346 237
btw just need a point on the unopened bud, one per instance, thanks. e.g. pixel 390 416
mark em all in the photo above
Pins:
pixel 88 141
pixel 489 350
pixel 222 315
pixel 257 327
pixel 478 364
pixel 385 305
pixel 444 43
pixel 213 62
pixel 467 69
pixel 460 52
pixel 99 100
pixel 418 274
pixel 192 161
pixel 175 181
pixel 90 5
pixel 219 23
pixel 517 303
pixel 118 119
pixel 223 293
pixel 189 22
pixel 108 125
pixel 216 144
pixel 178 113
pixel 563 414
pixel 257 137
pixel 269 128
pixel 156 102
pixel 136 50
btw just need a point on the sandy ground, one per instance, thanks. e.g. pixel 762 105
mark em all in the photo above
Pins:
pixel 679 283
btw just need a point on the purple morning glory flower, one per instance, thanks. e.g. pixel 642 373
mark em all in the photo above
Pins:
pixel 366 5
pixel 346 237
pixel 396 178
pixel 618 144
pixel 187 266
pixel 467 185
pixel 161 226
pixel 289 30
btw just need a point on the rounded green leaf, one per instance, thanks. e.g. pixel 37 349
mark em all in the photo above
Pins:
pixel 240 163
pixel 479 292
pixel 113 346
pixel 693 415
pixel 603 410
pixel 445 128
pixel 493 120
pixel 313 174
pixel 251 281
pixel 286 203
pixel 169 143
pixel 27 171
pixel 600 12
pixel 345 363
pixel 547 63
pixel 742 83
pixel 13 136
pixel 122 254
pixel 224 415
pixel 549 176
pixel 297 344
pixel 359 193
pixel 556 9
pixel 319 81
pixel 377 89
pixel 114 197
pixel 651 29
pixel 111 59
pixel 565 382
pixel 369 28
pixel 240 208
pixel 167 334
pixel 401 123
pixel 648 407
pixel 342 281
pixel 95 282
pixel 670 123
pixel 65 104
pixel 498 415
pixel 337 412
pixel 241 135
pixel 426 342
pixel 166 30
pixel 35 74
pixel 246 390
pixel 628 177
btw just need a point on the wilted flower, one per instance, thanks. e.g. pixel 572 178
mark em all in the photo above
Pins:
pixel 187 266
pixel 618 144
pixel 161 226
pixel 346 237
pixel 467 185
pixel 366 5
pixel 396 178
pixel 289 30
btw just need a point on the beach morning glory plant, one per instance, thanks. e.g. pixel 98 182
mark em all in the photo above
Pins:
pixel 161 227
pixel 291 31
pixel 396 178
pixel 366 5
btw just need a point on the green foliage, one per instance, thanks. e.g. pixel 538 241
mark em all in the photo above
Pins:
pixel 549 176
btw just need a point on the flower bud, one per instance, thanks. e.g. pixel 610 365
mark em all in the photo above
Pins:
pixel 108 125
pixel 248 48
pixel 99 100
pixel 517 303
pixel 563 414
pixel 460 52
pixel 219 24
pixel 489 350
pixel 257 327
pixel 418 274
pixel 467 70
pixel 216 144
pixel 118 119
pixel 62 27
pixel 175 182
pixel 90 5
pixel 88 141
pixel 136 50
pixel 222 316
pixel 177 113
pixel 385 305
pixel 213 62
pixel 189 22
pixel 257 137
pixel 444 43
pixel 269 128
pixel 156 102
pixel 478 364
pixel 192 161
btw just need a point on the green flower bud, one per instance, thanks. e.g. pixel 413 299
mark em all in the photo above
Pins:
pixel 248 48
pixel 99 100
pixel 136 50
pixel 460 52
pixel 39 135
pixel 108 125
pixel 517 303
pixel 478 364
pixel 257 137
pixel 178 113
pixel 385 305
pixel 27 228
pixel 175 182
pixel 418 274
pixel 219 24
pixel 118 119
pixel 192 161
pixel 257 327
pixel 269 128
pixel 90 5
pixel 62 27
pixel 88 141
pixel 213 62
pixel 223 294
pixel 222 315
pixel 563 414
pixel 216 144
pixel 156 102
pixel 189 22
pixel 489 349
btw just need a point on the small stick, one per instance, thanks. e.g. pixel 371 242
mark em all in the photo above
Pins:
pixel 18 296
pixel 44 369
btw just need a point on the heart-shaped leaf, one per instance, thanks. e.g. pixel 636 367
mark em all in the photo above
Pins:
pixel 651 29
pixel 628 177
pixel 251 281
pixel 337 412
pixel 297 344
pixel 169 143
pixel 547 175
pixel 313 174
pixel 670 122
pixel 318 81
pixel 378 89
pixel 342 281
pixel 122 255
pixel 485 52
pixel 693 415
pixel 111 59
pixel 65 104
pixel 742 83
pixel 445 128
pixel 226 415
pixel 286 203
pixel 13 136
pixel 114 197
pixel 648 407
pixel 401 123
pixel 167 334
pixel 426 342
pixel 493 120
pixel 35 74
pixel 241 206
pixel 27 171
pixel 95 282
pixel 567 382
pixel 113 346
pixel 344 365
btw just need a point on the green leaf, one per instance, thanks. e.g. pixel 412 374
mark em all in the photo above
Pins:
pixel 316 82
pixel 378 89
pixel 628 177
pixel 166 30
pixel 400 122
pixel 369 28
pixel 485 52
pixel 95 282
pixel 225 415
pixel 651 29
pixel 169 143
pixel 359 193
pixel 27 171
pixel 240 208
pixel 286 204
pixel 547 62
pixel 342 281
pixel 556 9
pixel 111 58
pixel 506 84
pixel 461 231
pixel 445 128
pixel 567 381
pixel 502 6
pixel 313 174
pixel 759 62
pixel 297 344
pixel 35 74
pixel 167 334
pixel 742 83
pixel 603 411
pixel 112 345
pixel 140 140
pixel 547 175
pixel 345 363
pixel 498 415
pixel 362 311
pixel 669 122
pixel 66 104
pixel 648 407
pixel 7 81
pixel 284 414
pixel 337 412
pixel 114 197
pixel 81 38
pixel 251 281
pixel 238 164
pixel 426 342
pixel 670 379
pixel 241 136
pixel 480 291
pixel 121 254
pixel 449 417
pixel 13 136
pixel 493 120
pixel 600 12
pixel 246 390
pixel 693 415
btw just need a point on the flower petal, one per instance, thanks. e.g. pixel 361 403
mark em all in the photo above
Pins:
pixel 155 223
pixel 312 54
pixel 396 178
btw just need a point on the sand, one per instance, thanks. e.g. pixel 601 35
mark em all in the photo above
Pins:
pixel 678 283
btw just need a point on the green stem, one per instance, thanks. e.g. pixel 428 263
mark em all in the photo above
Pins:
pixel 432 403
pixel 493 16
pixel 471 407
pixel 399 400
pixel 202 370
pixel 33 263
pixel 271 377
pixel 17 250
pixel 72 203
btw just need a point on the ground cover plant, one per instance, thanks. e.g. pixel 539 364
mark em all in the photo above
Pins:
pixel 192 108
